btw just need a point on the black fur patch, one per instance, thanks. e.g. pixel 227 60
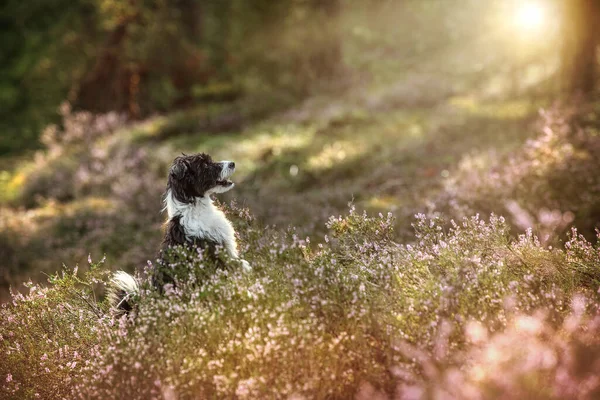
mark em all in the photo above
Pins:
pixel 175 236
pixel 125 305
pixel 191 176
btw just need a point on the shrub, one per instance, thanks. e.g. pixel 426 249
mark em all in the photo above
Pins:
pixel 547 185
pixel 70 151
pixel 533 358
pixel 87 190
pixel 47 336
pixel 316 320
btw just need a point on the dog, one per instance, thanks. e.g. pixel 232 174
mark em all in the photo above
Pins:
pixel 193 218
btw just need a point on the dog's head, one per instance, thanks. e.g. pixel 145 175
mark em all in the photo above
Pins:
pixel 197 175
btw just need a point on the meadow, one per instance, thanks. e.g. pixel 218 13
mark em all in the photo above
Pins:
pixel 423 227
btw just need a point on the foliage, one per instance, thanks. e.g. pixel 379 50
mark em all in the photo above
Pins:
pixel 101 177
pixel 83 194
pixel 46 47
pixel 50 334
pixel 548 184
pixel 144 57
pixel 533 358
pixel 311 320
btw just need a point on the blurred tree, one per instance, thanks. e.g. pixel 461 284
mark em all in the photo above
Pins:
pixel 581 36
pixel 105 85
pixel 327 59
pixel 143 56
pixel 44 46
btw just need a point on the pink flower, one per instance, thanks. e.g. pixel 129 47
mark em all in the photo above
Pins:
pixel 9 378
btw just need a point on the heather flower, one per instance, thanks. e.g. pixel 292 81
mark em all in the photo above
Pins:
pixel 320 322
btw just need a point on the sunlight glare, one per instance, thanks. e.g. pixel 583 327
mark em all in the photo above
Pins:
pixel 530 16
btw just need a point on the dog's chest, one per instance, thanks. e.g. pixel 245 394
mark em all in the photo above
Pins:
pixel 207 222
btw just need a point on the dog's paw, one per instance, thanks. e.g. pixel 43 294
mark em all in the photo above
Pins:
pixel 246 265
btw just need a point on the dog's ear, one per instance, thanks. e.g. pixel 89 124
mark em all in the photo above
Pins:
pixel 178 169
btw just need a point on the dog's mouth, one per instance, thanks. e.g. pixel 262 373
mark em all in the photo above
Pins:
pixel 227 169
pixel 224 182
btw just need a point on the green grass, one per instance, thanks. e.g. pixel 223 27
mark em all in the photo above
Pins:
pixel 294 168
pixel 316 321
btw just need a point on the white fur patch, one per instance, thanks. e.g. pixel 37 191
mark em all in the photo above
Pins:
pixel 121 281
pixel 246 265
pixel 220 189
pixel 226 170
pixel 126 282
pixel 202 219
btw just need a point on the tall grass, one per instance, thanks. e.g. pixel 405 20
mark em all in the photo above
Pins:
pixel 350 314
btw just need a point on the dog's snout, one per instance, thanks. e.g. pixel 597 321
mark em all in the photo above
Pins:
pixel 231 165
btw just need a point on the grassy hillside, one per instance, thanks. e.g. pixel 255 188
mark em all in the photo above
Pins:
pixel 97 188
pixel 396 305
pixel 358 315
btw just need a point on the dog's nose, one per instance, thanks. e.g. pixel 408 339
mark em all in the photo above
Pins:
pixel 232 165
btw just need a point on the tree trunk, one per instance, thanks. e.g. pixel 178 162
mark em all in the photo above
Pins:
pixel 326 60
pixel 580 45
pixel 108 85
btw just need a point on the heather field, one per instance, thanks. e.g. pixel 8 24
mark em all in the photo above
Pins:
pixel 417 192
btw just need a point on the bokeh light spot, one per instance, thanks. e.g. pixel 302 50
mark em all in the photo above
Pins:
pixel 530 16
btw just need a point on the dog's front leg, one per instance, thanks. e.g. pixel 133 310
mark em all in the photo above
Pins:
pixel 245 265
pixel 233 253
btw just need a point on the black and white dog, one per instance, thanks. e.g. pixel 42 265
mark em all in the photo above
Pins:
pixel 193 219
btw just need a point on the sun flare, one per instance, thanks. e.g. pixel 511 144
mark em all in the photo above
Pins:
pixel 530 16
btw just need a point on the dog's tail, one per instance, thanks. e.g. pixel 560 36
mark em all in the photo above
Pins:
pixel 122 290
